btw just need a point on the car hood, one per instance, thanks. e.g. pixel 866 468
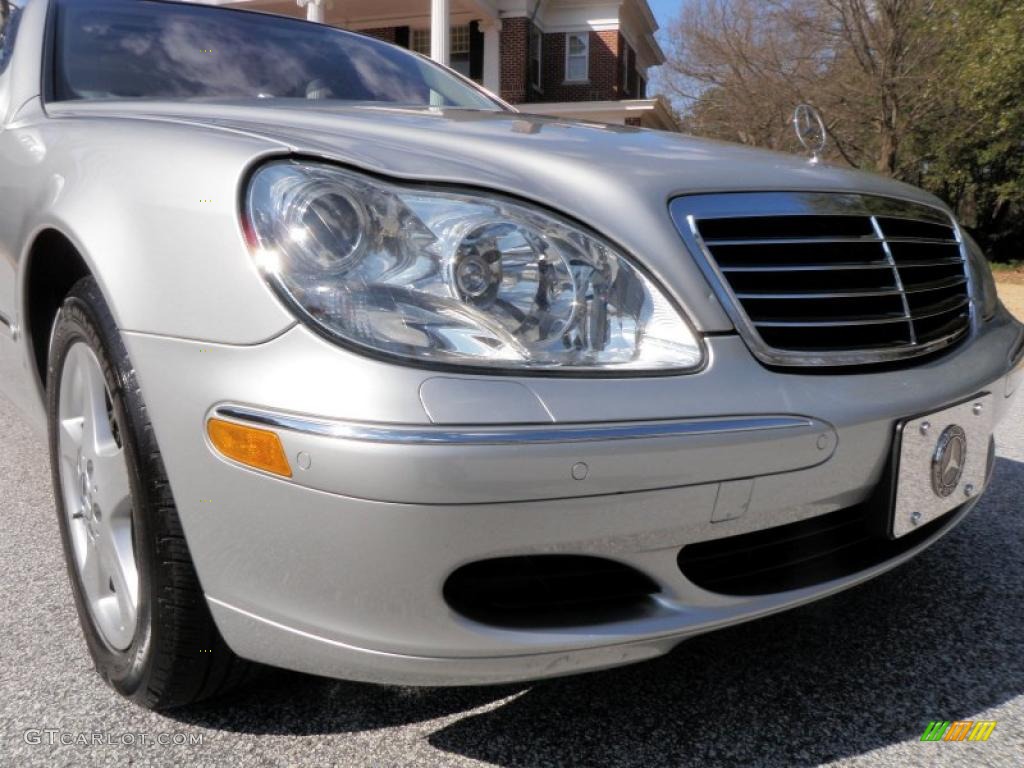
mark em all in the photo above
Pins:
pixel 616 179
pixel 509 150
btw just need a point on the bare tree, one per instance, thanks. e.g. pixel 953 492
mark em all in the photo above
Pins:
pixel 894 51
pixel 739 67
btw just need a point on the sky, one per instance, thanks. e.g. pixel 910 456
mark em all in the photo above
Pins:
pixel 664 11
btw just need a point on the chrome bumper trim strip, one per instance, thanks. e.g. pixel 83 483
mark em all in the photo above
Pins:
pixel 477 435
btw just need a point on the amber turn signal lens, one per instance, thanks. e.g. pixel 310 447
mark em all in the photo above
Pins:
pixel 256 448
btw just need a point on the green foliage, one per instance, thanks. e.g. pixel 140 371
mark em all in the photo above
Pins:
pixel 973 148
pixel 1016 265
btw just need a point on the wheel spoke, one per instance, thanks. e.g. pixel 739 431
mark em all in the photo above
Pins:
pixel 125 588
pixel 98 436
pixel 96 426
pixel 112 489
pixel 70 438
pixel 115 547
pixel 91 570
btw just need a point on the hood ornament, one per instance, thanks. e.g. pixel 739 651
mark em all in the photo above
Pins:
pixel 811 131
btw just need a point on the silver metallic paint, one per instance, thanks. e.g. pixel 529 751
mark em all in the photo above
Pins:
pixel 392 556
pixel 268 641
pixel 317 579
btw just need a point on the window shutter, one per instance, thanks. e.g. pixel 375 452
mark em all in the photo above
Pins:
pixel 476 51
pixel 402 36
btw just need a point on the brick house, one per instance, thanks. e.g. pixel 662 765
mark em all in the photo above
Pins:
pixel 586 59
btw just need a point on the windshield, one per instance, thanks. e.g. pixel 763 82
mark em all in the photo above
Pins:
pixel 149 49
pixel 10 11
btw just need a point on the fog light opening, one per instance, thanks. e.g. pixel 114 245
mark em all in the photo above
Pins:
pixel 536 591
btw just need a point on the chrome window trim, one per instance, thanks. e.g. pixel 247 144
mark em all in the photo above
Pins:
pixel 686 210
pixel 406 434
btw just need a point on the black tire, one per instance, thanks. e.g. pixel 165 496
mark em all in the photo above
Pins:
pixel 176 656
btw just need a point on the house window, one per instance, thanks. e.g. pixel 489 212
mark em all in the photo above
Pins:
pixel 458 46
pixel 536 43
pixel 419 41
pixel 577 56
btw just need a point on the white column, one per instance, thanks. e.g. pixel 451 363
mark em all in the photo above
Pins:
pixel 314 9
pixel 440 31
pixel 492 56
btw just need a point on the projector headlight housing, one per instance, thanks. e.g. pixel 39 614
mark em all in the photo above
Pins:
pixel 453 278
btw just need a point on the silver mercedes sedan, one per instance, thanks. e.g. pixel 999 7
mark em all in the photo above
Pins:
pixel 347 367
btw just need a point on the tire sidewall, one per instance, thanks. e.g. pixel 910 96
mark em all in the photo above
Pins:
pixel 85 317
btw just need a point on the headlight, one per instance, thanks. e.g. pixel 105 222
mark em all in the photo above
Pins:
pixel 455 278
pixel 986 297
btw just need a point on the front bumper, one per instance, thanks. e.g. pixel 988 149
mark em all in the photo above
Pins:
pixel 340 571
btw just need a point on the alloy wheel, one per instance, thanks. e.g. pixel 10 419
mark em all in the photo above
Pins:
pixel 97 497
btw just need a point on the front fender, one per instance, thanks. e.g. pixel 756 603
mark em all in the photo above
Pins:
pixel 153 210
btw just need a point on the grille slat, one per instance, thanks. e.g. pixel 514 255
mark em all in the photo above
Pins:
pixel 949 304
pixel 848 310
pixel 914 229
pixel 814 282
pixel 908 252
pixel 831 267
pixel 819 323
pixel 939 327
pixel 921 241
pixel 803 241
pixel 851 279
pixel 845 338
pixel 934 285
pixel 807 295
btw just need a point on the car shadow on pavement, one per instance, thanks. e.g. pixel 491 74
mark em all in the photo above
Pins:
pixel 936 639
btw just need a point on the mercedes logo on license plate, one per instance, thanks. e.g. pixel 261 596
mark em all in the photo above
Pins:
pixel 948 460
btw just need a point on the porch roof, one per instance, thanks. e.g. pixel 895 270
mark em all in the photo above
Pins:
pixel 365 14
pixel 653 113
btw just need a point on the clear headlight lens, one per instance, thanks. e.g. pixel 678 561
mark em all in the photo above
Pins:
pixel 986 297
pixel 455 278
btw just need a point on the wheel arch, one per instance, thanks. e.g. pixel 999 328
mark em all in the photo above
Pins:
pixel 53 263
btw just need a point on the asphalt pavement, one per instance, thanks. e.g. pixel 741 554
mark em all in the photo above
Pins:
pixel 852 680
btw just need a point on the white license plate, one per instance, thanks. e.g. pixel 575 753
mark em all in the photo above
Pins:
pixel 943 458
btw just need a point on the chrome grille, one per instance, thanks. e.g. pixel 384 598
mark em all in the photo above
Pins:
pixel 831 279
